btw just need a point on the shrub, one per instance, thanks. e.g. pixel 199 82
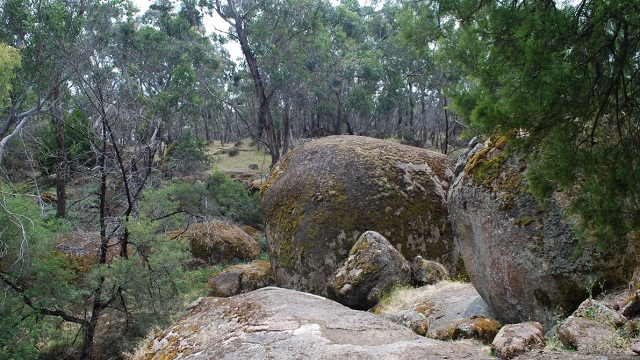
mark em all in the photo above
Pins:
pixel 187 155
pixel 233 201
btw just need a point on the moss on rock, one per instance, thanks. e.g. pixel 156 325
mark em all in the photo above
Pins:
pixel 326 193
pixel 217 241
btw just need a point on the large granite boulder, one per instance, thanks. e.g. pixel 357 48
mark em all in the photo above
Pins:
pixel 274 323
pixel 372 269
pixel 324 194
pixel 523 255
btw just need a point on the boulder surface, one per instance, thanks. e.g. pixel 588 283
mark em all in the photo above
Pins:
pixel 443 306
pixel 238 279
pixel 521 254
pixel 517 339
pixel 324 194
pixel 275 323
pixel 372 269
pixel 218 241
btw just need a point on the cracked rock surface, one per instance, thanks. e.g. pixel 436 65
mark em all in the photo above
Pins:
pixel 275 323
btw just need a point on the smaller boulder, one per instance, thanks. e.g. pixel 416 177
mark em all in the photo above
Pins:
pixel 587 335
pixel 372 269
pixel 412 319
pixel 632 305
pixel 477 328
pixel 516 339
pixel 215 242
pixel 595 310
pixel 427 272
pixel 444 306
pixel 239 279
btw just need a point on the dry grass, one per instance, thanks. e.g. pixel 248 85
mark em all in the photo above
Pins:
pixel 403 298
pixel 248 154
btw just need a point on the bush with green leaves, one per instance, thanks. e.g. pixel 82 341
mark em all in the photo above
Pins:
pixel 176 204
pixel 44 288
pixel 187 155
pixel 32 276
pixel 231 200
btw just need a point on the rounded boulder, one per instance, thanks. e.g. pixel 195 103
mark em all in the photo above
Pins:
pixel 324 194
pixel 521 253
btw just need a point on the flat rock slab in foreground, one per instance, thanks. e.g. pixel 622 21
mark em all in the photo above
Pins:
pixel 274 323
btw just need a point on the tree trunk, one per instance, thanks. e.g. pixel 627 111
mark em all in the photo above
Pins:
pixel 412 105
pixel 265 120
pixel 337 126
pixel 285 125
pixel 61 154
pixel 445 145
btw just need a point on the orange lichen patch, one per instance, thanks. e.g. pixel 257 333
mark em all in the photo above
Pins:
pixel 218 241
pixel 477 328
pixel 242 278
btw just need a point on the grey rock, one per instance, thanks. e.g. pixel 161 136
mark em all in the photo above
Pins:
pixel 274 323
pixel 427 272
pixel 443 305
pixel 372 269
pixel 412 319
pixel 595 310
pixel 587 335
pixel 239 279
pixel 324 194
pixel 517 339
pixel 520 253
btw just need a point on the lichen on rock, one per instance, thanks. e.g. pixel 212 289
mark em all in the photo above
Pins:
pixel 372 269
pixel 324 194
pixel 217 242
pixel 521 253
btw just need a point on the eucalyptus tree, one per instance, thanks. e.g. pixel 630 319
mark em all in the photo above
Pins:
pixel 45 34
pixel 111 111
pixel 266 31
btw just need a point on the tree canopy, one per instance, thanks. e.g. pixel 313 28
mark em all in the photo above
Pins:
pixel 107 116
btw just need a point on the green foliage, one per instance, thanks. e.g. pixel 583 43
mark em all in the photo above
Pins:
pixel 187 155
pixel 219 197
pixel 564 80
pixel 232 201
pixel 149 286
pixel 28 261
pixel 9 63
pixel 77 143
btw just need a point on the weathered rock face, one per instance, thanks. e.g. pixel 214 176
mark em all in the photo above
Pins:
pixel 324 194
pixel 238 279
pixel 273 323
pixel 517 339
pixel 372 269
pixel 218 241
pixel 443 307
pixel 523 257
pixel 427 272
pixel 588 336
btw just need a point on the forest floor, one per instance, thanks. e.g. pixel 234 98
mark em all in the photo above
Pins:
pixel 248 154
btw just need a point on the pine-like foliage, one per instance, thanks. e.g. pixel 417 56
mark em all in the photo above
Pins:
pixel 564 82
